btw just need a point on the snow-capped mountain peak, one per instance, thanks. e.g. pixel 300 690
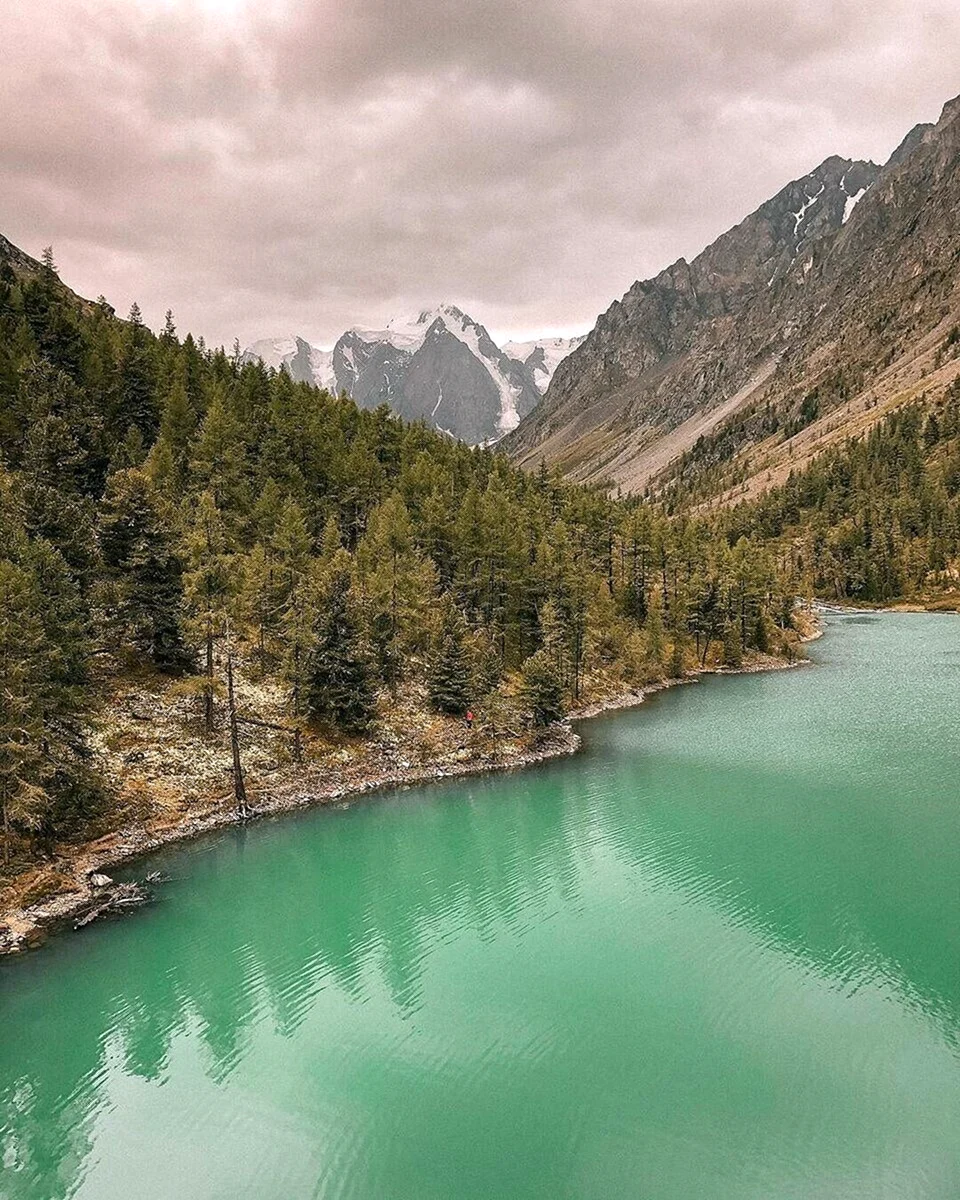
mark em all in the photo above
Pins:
pixel 305 363
pixel 438 365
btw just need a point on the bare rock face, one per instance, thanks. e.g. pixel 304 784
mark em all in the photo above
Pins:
pixel 828 274
pixel 16 257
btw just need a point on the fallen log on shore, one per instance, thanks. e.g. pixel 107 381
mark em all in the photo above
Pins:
pixel 112 898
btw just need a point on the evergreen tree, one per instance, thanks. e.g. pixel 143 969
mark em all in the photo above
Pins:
pixel 178 424
pixel 654 631
pixel 448 681
pixel 259 602
pixel 732 646
pixel 46 785
pixel 398 585
pixel 339 690
pixel 24 653
pixel 219 458
pixel 136 404
pixel 138 552
pixel 298 633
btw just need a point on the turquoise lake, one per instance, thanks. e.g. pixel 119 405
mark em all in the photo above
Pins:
pixel 715 956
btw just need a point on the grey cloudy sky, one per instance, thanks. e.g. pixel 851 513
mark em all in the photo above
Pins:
pixel 284 166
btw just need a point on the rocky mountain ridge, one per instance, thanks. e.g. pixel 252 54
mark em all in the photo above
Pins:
pixel 809 296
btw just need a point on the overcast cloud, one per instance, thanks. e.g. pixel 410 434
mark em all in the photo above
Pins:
pixel 305 165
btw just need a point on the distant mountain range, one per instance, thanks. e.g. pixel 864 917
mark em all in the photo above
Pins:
pixel 441 366
pixel 831 303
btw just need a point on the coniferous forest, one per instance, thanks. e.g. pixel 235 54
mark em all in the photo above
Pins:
pixel 876 519
pixel 171 512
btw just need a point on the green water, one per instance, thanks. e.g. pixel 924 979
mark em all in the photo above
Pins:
pixel 716 955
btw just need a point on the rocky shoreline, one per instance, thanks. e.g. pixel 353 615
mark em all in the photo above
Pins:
pixel 88 889
pixel 25 928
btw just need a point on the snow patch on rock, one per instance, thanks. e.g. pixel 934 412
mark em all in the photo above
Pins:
pixel 852 202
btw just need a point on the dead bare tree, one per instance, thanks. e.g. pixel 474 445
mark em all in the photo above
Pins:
pixel 239 788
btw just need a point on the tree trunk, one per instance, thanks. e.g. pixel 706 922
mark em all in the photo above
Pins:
pixel 239 790
pixel 208 689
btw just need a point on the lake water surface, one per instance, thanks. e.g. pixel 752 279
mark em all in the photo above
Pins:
pixel 717 955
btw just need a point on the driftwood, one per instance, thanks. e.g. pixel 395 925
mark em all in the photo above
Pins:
pixel 114 898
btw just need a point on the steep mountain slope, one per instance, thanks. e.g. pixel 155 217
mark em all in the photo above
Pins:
pixel 785 318
pixel 441 366
pixel 674 346
pixel 18 260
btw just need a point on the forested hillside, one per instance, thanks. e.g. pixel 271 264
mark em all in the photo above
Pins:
pixel 171 513
pixel 877 518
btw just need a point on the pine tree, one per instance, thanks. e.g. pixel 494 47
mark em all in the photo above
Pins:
pixel 46 784
pixel 732 647
pixel 219 457
pixel 178 423
pixel 398 585
pixel 291 546
pixel 259 600
pixel 136 405
pixel 60 468
pixel 448 681
pixel 298 636
pixel 605 633
pixel 138 552
pixel 339 690
pixel 654 630
pixel 678 658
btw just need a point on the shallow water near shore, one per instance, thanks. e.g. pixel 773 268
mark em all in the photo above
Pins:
pixel 715 955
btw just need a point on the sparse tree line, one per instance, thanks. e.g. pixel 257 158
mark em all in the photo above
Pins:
pixel 169 508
